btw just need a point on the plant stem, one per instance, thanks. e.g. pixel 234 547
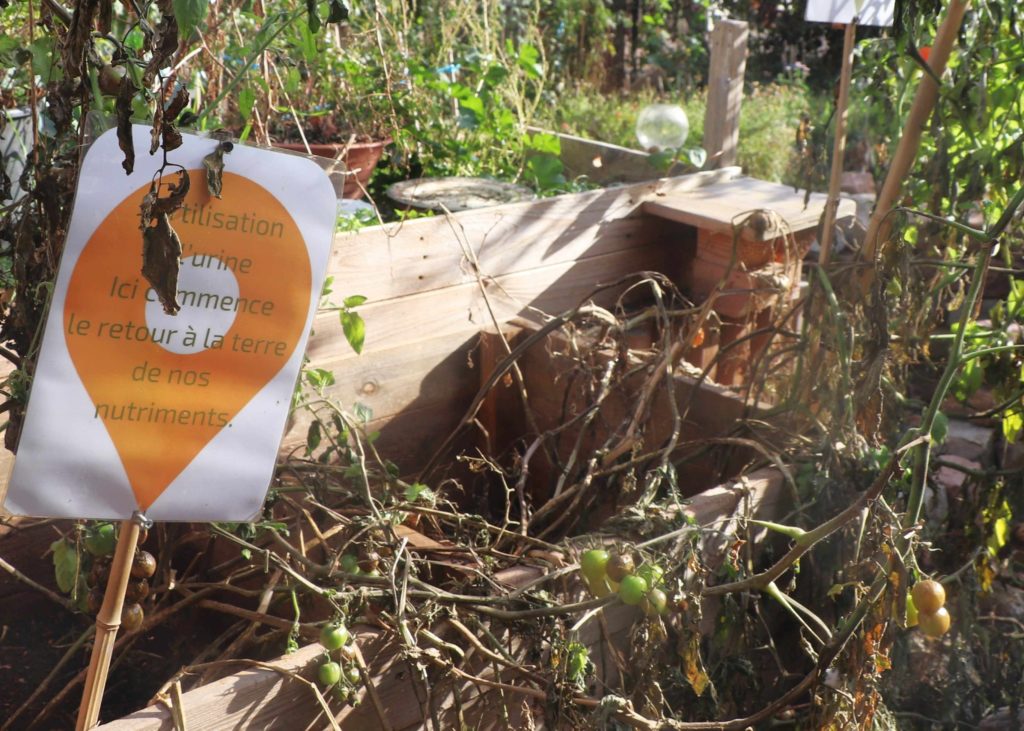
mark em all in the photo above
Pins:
pixel 264 44
pixel 956 358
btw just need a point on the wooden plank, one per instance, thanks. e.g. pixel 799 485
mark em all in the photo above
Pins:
pixel 461 310
pixel 719 206
pixel 263 699
pixel 725 91
pixel 413 375
pixel 255 699
pixel 602 162
pixel 554 394
pixel 399 259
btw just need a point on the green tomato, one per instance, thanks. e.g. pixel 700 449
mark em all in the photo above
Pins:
pixel 100 541
pixel 655 603
pixel 333 636
pixel 593 565
pixel 652 573
pixel 329 673
pixel 632 590
pixel 353 675
pixel 350 563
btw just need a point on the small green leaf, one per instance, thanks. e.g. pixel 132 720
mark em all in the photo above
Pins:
pixel 546 171
pixel 246 102
pixel 1013 424
pixel 418 490
pixel 66 562
pixel 355 330
pixel 544 142
pixel 189 14
pixel 354 301
pixel 313 18
pixel 940 428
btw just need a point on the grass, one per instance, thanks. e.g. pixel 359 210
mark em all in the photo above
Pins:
pixel 768 122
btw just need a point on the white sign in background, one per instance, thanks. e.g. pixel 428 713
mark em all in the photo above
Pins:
pixel 867 12
pixel 67 465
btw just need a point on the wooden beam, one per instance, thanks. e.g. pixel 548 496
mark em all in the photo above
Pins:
pixel 602 162
pixel 725 92
pixel 718 207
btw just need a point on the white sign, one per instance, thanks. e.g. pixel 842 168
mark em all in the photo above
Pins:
pixel 867 12
pixel 178 416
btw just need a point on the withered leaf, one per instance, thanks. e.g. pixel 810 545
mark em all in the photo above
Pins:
pixel 161 254
pixel 153 205
pixel 177 103
pixel 163 44
pixel 688 649
pixel 158 125
pixel 214 164
pixel 163 122
pixel 171 137
pixel 123 108
pixel 77 40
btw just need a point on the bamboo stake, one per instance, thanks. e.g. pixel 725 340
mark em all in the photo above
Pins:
pixel 839 147
pixel 906 152
pixel 107 623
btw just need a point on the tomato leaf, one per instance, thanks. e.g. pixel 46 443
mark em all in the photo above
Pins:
pixel 66 563
pixel 189 14
pixel 355 330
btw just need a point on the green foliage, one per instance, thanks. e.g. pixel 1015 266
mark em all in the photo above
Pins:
pixel 189 14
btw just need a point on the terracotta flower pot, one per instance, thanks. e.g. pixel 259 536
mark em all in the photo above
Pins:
pixel 361 157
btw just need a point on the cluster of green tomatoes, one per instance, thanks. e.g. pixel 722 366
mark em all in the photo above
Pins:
pixel 334 636
pixel 606 572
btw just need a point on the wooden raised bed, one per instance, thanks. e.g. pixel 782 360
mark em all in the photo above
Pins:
pixel 432 286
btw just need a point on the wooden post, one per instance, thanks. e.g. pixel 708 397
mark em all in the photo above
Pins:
pixel 725 92
pixel 107 623
pixel 839 146
pixel 906 152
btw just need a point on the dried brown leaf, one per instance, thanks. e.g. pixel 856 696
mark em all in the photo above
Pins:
pixel 123 108
pixel 161 254
pixel 171 137
pixel 163 44
pixel 214 164
pixel 78 37
pixel 178 102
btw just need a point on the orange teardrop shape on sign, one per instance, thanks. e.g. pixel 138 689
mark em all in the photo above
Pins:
pixel 165 386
